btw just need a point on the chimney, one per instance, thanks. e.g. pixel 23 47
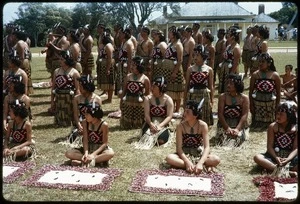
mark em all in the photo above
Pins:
pixel 165 11
pixel 261 8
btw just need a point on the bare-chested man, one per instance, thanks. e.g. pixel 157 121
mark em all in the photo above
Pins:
pixel 220 49
pixel 86 45
pixel 144 49
pixel 197 35
pixel 188 49
pixel 61 43
pixel 7 44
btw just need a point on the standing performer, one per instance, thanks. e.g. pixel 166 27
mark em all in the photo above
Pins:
pixel 8 43
pixel 105 67
pixel 264 92
pixel 144 50
pixel 188 49
pixel 232 57
pixel 172 66
pixel 65 86
pixel 22 50
pixel 200 84
pixel 136 87
pixel 247 54
pixel 74 49
pixel 158 54
pixel 220 48
pixel 197 35
pixel 86 45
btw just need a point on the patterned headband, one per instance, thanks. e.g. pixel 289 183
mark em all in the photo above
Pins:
pixel 93 107
pixel 86 79
pixel 287 107
pixel 160 83
pixel 17 103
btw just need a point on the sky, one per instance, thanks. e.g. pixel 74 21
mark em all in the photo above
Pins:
pixel 10 9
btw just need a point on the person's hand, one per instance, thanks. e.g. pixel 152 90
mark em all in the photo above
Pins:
pixel 84 158
pixel 198 168
pixel 6 152
pixel 283 161
pixel 80 128
pixel 153 128
pixel 173 76
pixel 189 166
pixel 278 160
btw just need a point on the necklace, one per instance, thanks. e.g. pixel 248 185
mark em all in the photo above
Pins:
pixel 192 128
pixel 157 101
pixel 135 77
pixel 200 68
pixel 263 75
pixel 233 99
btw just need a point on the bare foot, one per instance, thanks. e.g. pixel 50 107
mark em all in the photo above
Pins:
pixel 293 174
pixel 76 163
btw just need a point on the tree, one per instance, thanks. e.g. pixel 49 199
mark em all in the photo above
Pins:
pixel 286 14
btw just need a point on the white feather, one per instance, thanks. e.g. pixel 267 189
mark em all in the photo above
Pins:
pixel 200 104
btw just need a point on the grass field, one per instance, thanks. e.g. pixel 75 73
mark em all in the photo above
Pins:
pixel 236 164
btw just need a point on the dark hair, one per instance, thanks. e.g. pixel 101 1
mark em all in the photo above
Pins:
pixel 263 31
pixel 14 57
pixel 19 108
pixel 175 31
pixel 146 29
pixel 221 31
pixel 127 33
pixel 290 108
pixel 68 58
pixel 290 66
pixel 209 36
pixel 237 81
pixel 87 83
pixel 235 32
pixel 201 50
pixel 194 106
pixel 20 35
pixel 74 35
pixel 197 25
pixel 60 28
pixel 161 82
pixel 161 36
pixel 140 64
pixel 269 59
pixel 106 38
pixel 19 87
pixel 96 111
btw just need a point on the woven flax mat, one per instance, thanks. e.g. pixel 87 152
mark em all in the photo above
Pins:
pixel 176 181
pixel 68 177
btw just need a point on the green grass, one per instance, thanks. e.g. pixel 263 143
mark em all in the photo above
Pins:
pixel 236 164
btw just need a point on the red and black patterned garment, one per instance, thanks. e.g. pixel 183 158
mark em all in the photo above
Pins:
pixel 228 54
pixel 102 54
pixel 64 83
pixel 284 141
pixel 192 140
pixel 265 85
pixel 158 111
pixel 232 111
pixel 171 53
pixel 199 80
pixel 123 55
pixel 82 110
pixel 19 135
pixel 134 88
pixel 156 53
pixel 95 137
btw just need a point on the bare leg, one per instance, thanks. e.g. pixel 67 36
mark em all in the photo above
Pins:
pixel 174 160
pixel 266 164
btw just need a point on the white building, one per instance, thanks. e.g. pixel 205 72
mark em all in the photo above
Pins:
pixel 215 15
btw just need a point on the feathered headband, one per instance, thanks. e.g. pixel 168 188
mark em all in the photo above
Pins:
pixel 17 104
pixel 161 83
pixel 196 106
pixel 93 107
pixel 86 79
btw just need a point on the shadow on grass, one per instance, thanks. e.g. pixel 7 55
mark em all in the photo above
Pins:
pixel 164 166
pixel 46 126
pixel 33 103
pixel 132 139
pixel 256 170
pixel 41 95
pixel 213 141
pixel 42 78
pixel 44 114
pixel 59 139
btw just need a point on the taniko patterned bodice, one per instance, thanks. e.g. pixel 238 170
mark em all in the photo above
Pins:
pixel 95 137
pixel 64 82
pixel 171 53
pixel 228 54
pixel 158 111
pixel 284 140
pixel 232 111
pixel 134 88
pixel 192 140
pixel 123 55
pixel 264 85
pixel 156 53
pixel 199 80
pixel 19 135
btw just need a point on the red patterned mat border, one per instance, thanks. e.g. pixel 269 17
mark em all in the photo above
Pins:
pixel 23 167
pixel 103 186
pixel 267 187
pixel 138 184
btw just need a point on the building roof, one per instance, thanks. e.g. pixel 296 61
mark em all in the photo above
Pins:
pixel 263 18
pixel 210 12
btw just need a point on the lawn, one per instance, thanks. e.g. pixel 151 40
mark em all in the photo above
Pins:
pixel 236 164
